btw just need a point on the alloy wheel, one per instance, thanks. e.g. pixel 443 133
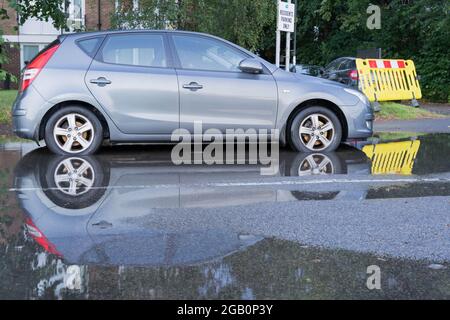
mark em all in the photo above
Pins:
pixel 316 164
pixel 73 133
pixel 317 132
pixel 74 176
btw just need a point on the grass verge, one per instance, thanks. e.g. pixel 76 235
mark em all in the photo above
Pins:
pixel 396 111
pixel 7 98
pixel 392 136
pixel 10 139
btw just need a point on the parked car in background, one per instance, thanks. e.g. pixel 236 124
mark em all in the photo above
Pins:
pixel 342 70
pixel 141 86
pixel 308 70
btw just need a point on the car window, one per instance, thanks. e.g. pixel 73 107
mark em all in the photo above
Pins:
pixel 206 54
pixel 90 45
pixel 334 66
pixel 346 65
pixel 145 50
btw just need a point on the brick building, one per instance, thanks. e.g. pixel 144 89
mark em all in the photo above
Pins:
pixel 22 43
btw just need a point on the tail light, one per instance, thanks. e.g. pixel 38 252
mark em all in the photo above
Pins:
pixel 353 74
pixel 39 237
pixel 36 65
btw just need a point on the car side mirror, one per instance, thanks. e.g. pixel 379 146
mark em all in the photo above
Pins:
pixel 251 66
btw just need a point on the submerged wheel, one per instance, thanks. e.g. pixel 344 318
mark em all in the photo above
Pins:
pixel 73 131
pixel 315 129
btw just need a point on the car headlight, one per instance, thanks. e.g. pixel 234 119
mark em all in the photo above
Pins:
pixel 361 96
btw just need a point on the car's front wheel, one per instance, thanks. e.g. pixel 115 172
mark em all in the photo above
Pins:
pixel 315 129
pixel 73 131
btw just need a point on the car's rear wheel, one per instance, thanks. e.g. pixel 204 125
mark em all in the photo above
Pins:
pixel 73 131
pixel 74 182
pixel 315 129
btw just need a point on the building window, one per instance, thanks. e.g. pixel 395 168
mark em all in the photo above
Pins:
pixel 75 10
pixel 125 5
pixel 28 52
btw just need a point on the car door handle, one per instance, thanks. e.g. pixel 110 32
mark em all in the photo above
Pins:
pixel 101 82
pixel 103 225
pixel 193 86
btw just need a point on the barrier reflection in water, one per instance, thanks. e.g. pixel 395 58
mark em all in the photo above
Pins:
pixel 393 157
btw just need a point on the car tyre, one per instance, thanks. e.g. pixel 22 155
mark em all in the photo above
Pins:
pixel 315 129
pixel 73 130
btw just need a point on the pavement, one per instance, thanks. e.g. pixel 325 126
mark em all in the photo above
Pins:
pixel 437 108
pixel 418 126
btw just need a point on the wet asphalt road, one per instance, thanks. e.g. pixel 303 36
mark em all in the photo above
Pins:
pixel 141 228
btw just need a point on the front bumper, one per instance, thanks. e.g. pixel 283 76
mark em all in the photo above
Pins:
pixel 360 120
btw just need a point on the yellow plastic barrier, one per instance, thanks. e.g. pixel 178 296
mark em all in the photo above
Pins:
pixel 388 80
pixel 393 158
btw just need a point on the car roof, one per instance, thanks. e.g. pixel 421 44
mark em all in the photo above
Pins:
pixel 107 32
pixel 344 58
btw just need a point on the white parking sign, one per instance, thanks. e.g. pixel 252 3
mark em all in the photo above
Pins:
pixel 286 16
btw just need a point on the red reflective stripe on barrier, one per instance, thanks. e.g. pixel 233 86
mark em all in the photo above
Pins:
pixel 387 64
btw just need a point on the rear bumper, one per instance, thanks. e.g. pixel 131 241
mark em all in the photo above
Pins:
pixel 22 129
pixel 27 113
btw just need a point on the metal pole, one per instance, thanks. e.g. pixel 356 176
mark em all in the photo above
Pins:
pixel 99 15
pixel 295 34
pixel 288 48
pixel 278 50
pixel 278 41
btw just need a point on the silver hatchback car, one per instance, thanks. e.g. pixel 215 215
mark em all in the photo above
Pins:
pixel 140 86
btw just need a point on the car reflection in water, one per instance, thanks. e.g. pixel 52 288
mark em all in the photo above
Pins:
pixel 87 210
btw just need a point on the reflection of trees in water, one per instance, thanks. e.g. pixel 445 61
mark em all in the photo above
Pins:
pixel 273 269
pixel 270 269
pixel 27 272
pixel 434 153
pixel 11 217
pixel 284 270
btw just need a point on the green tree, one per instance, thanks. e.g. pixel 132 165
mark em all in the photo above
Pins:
pixel 243 22
pixel 41 10
pixel 152 14
pixel 3 58
pixel 417 30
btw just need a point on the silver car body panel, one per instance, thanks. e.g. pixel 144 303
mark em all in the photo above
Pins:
pixel 145 104
pixel 228 100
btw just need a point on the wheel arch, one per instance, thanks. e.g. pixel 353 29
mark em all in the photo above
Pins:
pixel 64 104
pixel 318 103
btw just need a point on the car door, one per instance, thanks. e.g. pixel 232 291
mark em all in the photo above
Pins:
pixel 133 79
pixel 215 92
